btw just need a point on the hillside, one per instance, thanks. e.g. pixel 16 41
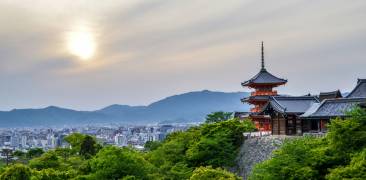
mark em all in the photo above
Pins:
pixel 187 107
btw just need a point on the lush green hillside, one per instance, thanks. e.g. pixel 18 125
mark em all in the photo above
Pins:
pixel 202 152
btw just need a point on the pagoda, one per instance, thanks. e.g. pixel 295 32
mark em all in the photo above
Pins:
pixel 263 84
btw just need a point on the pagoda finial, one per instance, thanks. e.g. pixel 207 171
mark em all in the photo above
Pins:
pixel 263 56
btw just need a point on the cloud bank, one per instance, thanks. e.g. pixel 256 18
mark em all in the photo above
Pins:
pixel 147 50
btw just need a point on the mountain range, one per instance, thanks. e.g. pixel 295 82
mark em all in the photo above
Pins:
pixel 187 107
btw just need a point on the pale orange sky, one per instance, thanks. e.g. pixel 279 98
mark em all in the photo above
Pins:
pixel 148 50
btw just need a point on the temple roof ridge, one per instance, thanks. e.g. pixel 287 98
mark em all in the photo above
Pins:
pixel 359 90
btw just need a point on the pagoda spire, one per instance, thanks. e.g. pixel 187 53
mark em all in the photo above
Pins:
pixel 263 68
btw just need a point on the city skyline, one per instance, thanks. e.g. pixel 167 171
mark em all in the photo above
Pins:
pixel 85 55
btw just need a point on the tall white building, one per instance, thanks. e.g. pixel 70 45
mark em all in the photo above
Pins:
pixel 120 140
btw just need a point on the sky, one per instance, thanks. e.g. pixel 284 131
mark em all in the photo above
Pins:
pixel 140 51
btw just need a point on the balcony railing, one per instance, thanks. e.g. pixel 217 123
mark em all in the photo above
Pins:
pixel 255 109
pixel 264 93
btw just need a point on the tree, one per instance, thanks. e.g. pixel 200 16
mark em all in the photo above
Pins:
pixel 8 153
pixel 294 160
pixel 75 141
pixel 350 134
pixel 52 174
pixel 34 152
pixel 152 145
pixel 213 144
pixel 65 153
pixel 218 143
pixel 47 160
pixel 218 116
pixel 88 147
pixel 355 170
pixel 208 173
pixel 15 172
pixel 115 163
pixel 20 155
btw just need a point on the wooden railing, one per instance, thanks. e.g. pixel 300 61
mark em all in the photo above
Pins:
pixel 255 109
pixel 264 93
pixel 315 134
pixel 248 135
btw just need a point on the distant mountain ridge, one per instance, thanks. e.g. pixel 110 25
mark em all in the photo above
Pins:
pixel 187 107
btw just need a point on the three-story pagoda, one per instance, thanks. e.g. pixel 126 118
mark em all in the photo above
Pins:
pixel 263 84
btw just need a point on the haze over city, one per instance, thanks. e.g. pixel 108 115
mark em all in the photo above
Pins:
pixel 89 54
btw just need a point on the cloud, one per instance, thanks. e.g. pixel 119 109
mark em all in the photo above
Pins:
pixel 147 50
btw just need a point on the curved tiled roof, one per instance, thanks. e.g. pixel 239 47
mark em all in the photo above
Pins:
pixel 264 77
pixel 330 95
pixel 291 104
pixel 257 98
pixel 359 90
pixel 333 107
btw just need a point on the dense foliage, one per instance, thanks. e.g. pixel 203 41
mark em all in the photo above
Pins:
pixel 218 116
pixel 208 173
pixel 339 155
pixel 201 152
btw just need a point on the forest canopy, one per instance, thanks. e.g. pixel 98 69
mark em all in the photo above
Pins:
pixel 198 153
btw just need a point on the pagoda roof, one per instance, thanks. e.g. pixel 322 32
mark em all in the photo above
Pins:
pixel 255 98
pixel 264 78
pixel 359 90
pixel 333 107
pixel 291 104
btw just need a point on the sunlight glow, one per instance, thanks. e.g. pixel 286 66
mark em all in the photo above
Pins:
pixel 81 42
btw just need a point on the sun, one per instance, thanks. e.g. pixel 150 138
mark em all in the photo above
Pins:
pixel 81 43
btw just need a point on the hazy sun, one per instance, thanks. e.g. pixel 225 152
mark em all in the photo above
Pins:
pixel 81 43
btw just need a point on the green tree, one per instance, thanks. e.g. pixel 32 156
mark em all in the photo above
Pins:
pixel 19 153
pixel 218 143
pixel 20 156
pixel 355 170
pixel 208 173
pixel 47 160
pixel 8 153
pixel 213 144
pixel 15 172
pixel 170 158
pixel 218 116
pixel 34 152
pixel 75 140
pixel 294 160
pixel 52 174
pixel 114 163
pixel 350 134
pixel 152 145
pixel 88 147
pixel 65 153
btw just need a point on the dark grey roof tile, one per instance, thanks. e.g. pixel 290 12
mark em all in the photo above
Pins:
pixel 333 107
pixel 359 90
pixel 292 104
pixel 264 77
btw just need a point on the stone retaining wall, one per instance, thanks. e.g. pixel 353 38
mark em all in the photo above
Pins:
pixel 256 150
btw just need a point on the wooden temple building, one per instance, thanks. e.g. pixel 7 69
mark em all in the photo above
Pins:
pixel 296 115
pixel 320 114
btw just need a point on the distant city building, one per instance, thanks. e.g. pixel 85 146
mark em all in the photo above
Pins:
pixel 135 136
